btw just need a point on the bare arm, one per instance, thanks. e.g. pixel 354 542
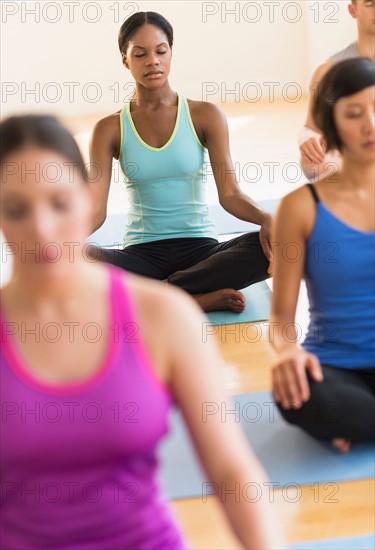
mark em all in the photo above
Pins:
pixel 293 224
pixel 104 145
pixel 192 367
pixel 289 242
pixel 315 162
pixel 231 197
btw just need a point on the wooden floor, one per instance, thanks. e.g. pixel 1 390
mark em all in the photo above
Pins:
pixel 249 359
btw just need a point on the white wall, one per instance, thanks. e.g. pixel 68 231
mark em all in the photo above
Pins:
pixel 214 50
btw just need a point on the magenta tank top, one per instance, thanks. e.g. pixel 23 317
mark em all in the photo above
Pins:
pixel 78 461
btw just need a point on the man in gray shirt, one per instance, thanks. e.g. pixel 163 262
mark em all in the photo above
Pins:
pixel 315 163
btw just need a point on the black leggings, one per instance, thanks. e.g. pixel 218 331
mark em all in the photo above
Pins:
pixel 342 405
pixel 197 265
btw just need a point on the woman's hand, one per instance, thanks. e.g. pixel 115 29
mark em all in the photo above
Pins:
pixel 290 386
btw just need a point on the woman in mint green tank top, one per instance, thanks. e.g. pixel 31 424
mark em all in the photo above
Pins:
pixel 162 140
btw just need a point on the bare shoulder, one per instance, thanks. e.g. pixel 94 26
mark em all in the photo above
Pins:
pixel 160 302
pixel 108 125
pixel 3 292
pixel 106 134
pixel 298 210
pixel 297 199
pixel 206 110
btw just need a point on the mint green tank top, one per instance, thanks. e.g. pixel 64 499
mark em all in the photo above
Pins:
pixel 166 186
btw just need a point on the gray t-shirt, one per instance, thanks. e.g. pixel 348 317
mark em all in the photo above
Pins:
pixel 347 53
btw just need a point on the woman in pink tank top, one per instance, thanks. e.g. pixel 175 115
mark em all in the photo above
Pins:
pixel 92 359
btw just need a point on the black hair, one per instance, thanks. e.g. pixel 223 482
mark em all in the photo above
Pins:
pixel 342 80
pixel 44 131
pixel 137 20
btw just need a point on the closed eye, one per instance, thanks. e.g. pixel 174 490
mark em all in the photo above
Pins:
pixel 143 54
pixel 15 213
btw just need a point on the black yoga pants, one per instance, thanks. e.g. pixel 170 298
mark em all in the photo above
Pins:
pixel 341 406
pixel 197 265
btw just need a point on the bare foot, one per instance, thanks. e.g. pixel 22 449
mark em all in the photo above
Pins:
pixel 341 444
pixel 226 298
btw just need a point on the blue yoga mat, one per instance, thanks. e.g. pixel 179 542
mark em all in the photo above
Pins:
pixel 258 307
pixel 354 543
pixel 288 455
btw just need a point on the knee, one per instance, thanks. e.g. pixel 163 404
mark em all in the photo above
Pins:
pixel 95 254
pixel 175 278
pixel 329 413
pixel 322 407
pixel 253 246
pixel 292 416
pixel 252 239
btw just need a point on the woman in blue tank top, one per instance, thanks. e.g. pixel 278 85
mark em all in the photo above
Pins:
pixel 161 139
pixel 325 233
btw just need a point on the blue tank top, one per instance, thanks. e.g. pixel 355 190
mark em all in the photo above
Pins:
pixel 340 280
pixel 166 185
